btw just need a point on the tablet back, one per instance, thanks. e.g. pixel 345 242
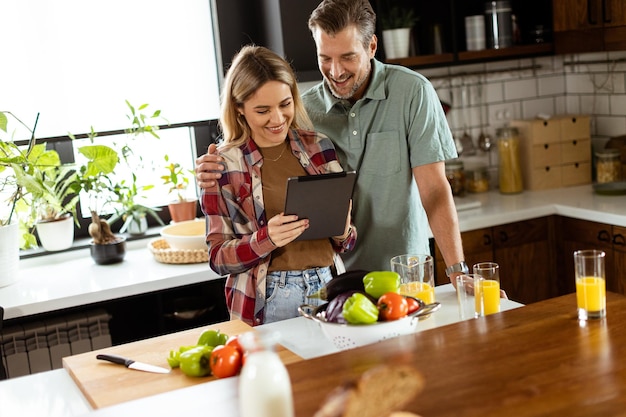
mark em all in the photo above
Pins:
pixel 323 199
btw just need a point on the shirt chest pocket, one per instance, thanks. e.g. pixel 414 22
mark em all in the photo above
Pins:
pixel 383 154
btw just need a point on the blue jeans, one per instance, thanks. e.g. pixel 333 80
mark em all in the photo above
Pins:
pixel 287 290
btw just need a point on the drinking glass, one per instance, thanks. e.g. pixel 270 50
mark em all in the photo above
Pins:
pixel 488 288
pixel 590 284
pixel 417 276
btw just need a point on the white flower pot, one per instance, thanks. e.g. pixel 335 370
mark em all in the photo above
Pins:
pixel 396 42
pixel 9 254
pixel 56 235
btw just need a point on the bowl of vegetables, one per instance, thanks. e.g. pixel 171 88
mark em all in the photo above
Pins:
pixel 365 308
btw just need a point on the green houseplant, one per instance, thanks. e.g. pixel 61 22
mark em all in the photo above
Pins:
pixel 177 179
pixel 396 23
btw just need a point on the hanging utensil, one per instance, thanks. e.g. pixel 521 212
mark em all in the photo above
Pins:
pixel 484 140
pixel 466 138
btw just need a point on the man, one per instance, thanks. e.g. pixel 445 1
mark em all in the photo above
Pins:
pixel 386 123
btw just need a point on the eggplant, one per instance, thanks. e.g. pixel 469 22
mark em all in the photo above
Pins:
pixel 335 307
pixel 348 281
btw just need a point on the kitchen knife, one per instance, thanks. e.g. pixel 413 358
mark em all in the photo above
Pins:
pixel 131 364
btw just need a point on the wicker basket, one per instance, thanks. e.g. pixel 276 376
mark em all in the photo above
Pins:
pixel 164 253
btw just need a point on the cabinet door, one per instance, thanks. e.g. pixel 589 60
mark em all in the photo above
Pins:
pixel 524 251
pixel 575 14
pixel 477 247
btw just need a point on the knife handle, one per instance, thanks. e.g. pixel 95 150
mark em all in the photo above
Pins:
pixel 115 359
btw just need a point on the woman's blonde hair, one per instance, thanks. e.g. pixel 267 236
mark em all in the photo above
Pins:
pixel 252 67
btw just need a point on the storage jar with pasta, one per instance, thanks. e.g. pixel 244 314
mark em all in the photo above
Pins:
pixel 510 169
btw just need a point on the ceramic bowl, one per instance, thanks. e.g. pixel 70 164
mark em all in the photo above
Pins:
pixel 190 234
pixel 348 336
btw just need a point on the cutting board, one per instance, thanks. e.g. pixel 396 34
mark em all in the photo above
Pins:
pixel 104 384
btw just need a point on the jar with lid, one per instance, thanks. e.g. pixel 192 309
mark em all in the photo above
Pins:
pixel 456 176
pixel 477 180
pixel 608 166
pixel 510 169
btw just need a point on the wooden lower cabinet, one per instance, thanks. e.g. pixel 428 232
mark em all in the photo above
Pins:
pixel 525 252
pixel 575 234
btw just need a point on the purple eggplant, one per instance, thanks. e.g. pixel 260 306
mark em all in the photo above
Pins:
pixel 335 307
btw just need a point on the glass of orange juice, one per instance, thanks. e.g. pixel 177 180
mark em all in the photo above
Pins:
pixel 590 284
pixel 417 276
pixel 487 289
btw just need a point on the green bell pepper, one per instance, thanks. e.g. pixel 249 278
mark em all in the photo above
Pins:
pixel 213 338
pixel 196 361
pixel 174 359
pixel 379 282
pixel 358 309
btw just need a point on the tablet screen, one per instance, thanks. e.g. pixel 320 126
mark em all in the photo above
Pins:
pixel 323 199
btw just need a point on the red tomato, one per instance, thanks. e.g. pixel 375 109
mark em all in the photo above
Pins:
pixel 413 304
pixel 392 306
pixel 225 361
pixel 234 341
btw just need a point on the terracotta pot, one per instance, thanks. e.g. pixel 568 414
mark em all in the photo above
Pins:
pixel 111 253
pixel 182 211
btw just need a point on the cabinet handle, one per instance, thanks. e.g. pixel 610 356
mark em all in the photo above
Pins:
pixel 574 142
pixel 546 146
pixel 606 11
pixel 503 236
pixel 604 236
pixel 487 240
pixel 618 240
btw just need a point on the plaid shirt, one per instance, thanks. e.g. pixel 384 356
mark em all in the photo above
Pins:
pixel 239 243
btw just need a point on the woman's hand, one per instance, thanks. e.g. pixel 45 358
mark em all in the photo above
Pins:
pixel 285 229
pixel 208 168
pixel 348 228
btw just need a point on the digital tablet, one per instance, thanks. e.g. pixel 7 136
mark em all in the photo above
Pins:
pixel 323 199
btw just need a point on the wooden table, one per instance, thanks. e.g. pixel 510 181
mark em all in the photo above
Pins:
pixel 531 361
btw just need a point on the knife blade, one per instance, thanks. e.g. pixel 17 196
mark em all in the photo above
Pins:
pixel 132 364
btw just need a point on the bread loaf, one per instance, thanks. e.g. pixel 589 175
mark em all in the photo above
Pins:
pixel 378 392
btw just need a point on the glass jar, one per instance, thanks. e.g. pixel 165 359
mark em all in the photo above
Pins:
pixel 456 177
pixel 608 166
pixel 510 169
pixel 477 180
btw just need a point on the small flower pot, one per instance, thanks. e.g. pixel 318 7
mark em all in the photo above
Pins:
pixel 111 253
pixel 183 210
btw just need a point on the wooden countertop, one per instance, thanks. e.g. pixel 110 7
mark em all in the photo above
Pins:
pixel 535 360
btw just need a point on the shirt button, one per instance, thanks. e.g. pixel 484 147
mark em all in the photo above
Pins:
pixel 352 114
pixel 257 320
pixel 354 132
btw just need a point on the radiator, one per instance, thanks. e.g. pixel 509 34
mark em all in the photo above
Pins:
pixel 38 346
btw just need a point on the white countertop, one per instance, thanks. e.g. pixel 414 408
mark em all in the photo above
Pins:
pixel 54 394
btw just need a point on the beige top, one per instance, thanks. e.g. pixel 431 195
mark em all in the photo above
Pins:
pixel 278 165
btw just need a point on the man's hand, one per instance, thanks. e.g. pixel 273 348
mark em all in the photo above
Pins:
pixel 208 168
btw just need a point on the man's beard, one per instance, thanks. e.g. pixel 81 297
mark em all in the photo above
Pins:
pixel 354 88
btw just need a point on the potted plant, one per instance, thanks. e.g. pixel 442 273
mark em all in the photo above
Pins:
pixel 396 23
pixel 133 214
pixel 177 179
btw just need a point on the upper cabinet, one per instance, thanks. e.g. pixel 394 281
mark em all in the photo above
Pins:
pixel 440 36
pixel 589 25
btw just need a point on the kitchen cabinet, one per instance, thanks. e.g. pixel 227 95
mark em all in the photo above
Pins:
pixel 449 17
pixel 525 252
pixel 589 25
pixel 578 234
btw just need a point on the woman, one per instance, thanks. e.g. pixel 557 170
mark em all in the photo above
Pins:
pixel 267 138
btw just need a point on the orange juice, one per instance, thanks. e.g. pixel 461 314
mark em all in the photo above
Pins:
pixel 420 290
pixel 591 294
pixel 488 294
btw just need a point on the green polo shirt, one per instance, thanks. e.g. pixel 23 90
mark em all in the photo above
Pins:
pixel 398 124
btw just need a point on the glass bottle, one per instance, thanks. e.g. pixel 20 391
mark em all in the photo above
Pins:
pixel 477 180
pixel 510 170
pixel 456 177
pixel 264 384
pixel 608 166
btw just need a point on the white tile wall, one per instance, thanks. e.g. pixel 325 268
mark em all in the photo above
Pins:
pixel 593 84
